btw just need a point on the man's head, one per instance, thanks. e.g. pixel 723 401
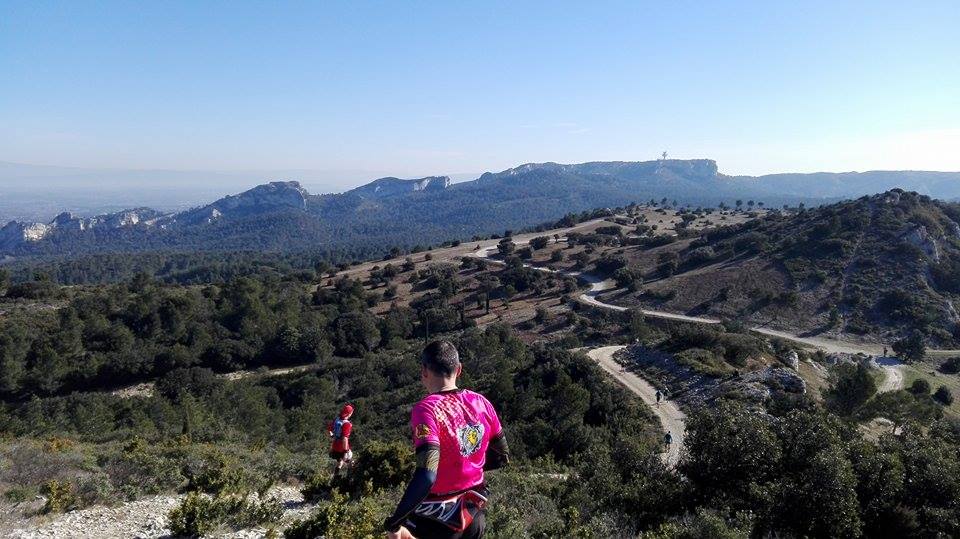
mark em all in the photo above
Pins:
pixel 440 364
pixel 347 411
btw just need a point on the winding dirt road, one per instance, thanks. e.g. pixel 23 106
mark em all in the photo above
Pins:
pixel 891 367
pixel 671 417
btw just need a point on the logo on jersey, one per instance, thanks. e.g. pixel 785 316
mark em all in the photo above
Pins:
pixel 422 431
pixel 469 437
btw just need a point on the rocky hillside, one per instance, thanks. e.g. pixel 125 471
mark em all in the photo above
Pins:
pixel 880 267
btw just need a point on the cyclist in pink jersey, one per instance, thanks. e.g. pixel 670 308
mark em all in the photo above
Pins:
pixel 457 436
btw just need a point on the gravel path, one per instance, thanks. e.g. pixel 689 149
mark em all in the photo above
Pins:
pixel 893 374
pixel 671 417
pixel 146 518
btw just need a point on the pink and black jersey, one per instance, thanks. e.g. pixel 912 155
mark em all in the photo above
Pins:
pixel 461 423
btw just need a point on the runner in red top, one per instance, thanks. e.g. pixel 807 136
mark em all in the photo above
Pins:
pixel 339 430
pixel 457 436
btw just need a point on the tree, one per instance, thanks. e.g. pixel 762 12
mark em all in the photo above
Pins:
pixel 667 263
pixel 356 333
pixel 920 387
pixel 731 453
pixel 911 348
pixel 943 395
pixel 539 242
pixel 852 386
pixel 739 203
pixel 639 329
pixel 628 278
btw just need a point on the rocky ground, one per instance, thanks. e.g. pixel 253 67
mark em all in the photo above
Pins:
pixel 694 389
pixel 144 519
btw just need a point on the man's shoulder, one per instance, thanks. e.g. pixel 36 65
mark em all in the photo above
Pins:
pixel 476 397
pixel 426 404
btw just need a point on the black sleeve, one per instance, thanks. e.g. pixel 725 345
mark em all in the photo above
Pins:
pixel 428 458
pixel 498 454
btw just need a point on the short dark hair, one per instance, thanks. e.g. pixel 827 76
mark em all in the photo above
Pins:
pixel 441 357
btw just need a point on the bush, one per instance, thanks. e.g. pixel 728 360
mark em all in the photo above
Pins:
pixel 911 348
pixel 199 514
pixel 944 396
pixel 950 366
pixel 379 465
pixel 219 474
pixel 196 516
pixel 920 387
pixel 703 361
pixel 851 387
pixel 341 519
pixel 61 496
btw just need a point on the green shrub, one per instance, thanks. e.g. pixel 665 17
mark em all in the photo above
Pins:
pixel 199 514
pixel 920 387
pixel 703 361
pixel 340 518
pixel 950 366
pixel 317 486
pixel 851 387
pixel 380 465
pixel 139 469
pixel 95 488
pixel 944 396
pixel 61 496
pixel 18 494
pixel 248 511
pixel 196 516
pixel 219 474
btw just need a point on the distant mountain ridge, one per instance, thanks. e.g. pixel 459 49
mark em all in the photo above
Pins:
pixel 283 216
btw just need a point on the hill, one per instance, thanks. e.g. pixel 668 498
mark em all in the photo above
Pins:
pixel 881 268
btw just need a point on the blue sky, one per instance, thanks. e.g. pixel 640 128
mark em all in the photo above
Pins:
pixel 445 87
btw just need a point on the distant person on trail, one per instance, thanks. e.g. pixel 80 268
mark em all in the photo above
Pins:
pixel 659 396
pixel 668 439
pixel 457 436
pixel 884 351
pixel 339 430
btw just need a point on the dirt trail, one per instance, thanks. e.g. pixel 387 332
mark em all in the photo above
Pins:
pixel 146 518
pixel 893 374
pixel 145 389
pixel 670 415
pixel 891 367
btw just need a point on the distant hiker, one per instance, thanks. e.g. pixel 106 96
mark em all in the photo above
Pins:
pixel 457 436
pixel 668 439
pixel 659 396
pixel 884 351
pixel 339 430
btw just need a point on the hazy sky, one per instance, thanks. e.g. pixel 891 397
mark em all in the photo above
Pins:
pixel 441 87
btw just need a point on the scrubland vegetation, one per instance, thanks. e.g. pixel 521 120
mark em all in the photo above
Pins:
pixel 78 430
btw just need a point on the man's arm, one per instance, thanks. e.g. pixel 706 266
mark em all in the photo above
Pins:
pixel 498 454
pixel 428 459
